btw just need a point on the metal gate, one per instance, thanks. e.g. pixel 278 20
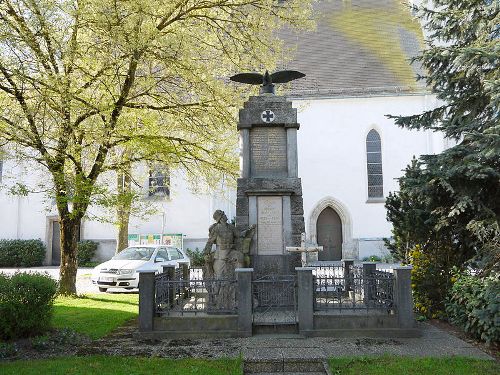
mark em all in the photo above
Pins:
pixel 274 299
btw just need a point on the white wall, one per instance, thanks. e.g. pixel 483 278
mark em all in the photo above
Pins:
pixel 332 153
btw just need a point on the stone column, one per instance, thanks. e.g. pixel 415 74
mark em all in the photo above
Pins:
pixel 402 296
pixel 170 272
pixel 185 277
pixel 244 282
pixel 245 153
pixel 292 158
pixel 348 263
pixel 146 300
pixel 305 300
pixel 368 281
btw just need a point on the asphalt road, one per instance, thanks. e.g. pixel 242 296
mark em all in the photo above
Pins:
pixel 83 283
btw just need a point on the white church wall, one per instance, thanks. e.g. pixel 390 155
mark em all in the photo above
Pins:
pixel 332 157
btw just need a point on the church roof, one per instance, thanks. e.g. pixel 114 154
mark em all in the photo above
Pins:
pixel 359 47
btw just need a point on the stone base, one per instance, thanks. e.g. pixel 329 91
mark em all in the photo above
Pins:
pixel 265 265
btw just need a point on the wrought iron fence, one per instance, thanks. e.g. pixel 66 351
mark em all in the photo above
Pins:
pixel 354 290
pixel 194 295
pixel 274 299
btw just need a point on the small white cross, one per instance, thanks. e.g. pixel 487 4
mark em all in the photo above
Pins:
pixel 303 249
pixel 267 116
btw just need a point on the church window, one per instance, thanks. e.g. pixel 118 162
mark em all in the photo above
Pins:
pixel 159 182
pixel 374 165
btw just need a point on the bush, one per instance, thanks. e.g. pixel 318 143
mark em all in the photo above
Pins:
pixel 196 256
pixel 21 253
pixel 86 251
pixel 372 258
pixel 430 281
pixel 474 306
pixel 25 304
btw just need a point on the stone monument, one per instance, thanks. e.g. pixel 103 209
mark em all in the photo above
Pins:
pixel 269 191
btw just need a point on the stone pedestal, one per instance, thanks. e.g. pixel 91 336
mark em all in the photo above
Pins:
pixel 269 191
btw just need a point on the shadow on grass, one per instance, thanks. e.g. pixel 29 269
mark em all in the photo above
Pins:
pixel 109 300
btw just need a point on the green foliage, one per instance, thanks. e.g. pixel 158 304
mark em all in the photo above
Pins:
pixel 372 258
pixel 448 204
pixel 21 253
pixel 110 365
pixel 7 350
pixel 26 302
pixel 100 76
pixel 86 251
pixel 196 256
pixel 474 305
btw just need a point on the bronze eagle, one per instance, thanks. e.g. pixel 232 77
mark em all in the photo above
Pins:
pixel 267 80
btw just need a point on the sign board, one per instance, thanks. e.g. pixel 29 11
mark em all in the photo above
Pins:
pixel 156 239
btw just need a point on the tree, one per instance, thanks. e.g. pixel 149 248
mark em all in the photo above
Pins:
pixel 451 201
pixel 81 79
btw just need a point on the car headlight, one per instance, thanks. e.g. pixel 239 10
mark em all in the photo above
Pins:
pixel 126 272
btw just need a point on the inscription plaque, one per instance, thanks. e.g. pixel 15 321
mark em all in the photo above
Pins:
pixel 268 152
pixel 269 225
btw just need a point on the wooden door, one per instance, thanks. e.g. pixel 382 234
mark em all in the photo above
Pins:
pixel 329 234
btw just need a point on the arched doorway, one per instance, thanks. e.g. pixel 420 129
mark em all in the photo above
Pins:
pixel 329 234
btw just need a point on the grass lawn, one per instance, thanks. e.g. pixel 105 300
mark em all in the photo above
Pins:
pixel 95 315
pixel 102 365
pixel 415 366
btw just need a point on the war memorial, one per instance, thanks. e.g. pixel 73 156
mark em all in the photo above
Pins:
pixel 260 275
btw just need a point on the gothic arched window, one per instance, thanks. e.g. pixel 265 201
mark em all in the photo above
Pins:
pixel 374 165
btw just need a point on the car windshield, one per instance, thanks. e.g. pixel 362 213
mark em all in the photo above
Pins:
pixel 135 253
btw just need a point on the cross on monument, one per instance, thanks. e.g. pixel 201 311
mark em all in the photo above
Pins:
pixel 267 116
pixel 304 249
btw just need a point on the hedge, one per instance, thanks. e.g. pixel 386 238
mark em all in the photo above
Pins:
pixel 21 253
pixel 26 301
pixel 86 251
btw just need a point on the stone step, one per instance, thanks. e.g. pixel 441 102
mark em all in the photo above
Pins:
pixel 277 329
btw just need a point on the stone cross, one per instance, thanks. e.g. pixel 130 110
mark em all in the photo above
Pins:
pixel 304 249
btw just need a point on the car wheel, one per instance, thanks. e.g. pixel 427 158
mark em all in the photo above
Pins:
pixel 103 289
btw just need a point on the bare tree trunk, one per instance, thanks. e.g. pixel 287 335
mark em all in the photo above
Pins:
pixel 69 265
pixel 124 204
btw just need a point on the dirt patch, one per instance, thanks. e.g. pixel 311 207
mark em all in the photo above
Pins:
pixel 493 349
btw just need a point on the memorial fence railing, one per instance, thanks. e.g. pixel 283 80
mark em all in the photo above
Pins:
pixel 176 294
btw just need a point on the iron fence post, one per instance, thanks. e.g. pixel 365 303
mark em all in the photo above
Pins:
pixel 244 282
pixel 305 300
pixel 170 272
pixel 147 301
pixel 368 281
pixel 402 296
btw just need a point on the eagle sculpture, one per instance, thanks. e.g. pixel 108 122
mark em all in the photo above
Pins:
pixel 266 79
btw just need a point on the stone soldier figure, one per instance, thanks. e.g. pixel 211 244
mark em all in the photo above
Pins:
pixel 231 247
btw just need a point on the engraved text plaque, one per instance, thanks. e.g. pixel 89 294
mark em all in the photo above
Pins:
pixel 269 225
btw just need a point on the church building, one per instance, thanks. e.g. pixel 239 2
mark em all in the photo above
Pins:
pixel 350 154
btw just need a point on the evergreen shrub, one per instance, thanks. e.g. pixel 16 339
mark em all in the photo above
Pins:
pixel 474 305
pixel 196 256
pixel 21 253
pixel 86 251
pixel 26 301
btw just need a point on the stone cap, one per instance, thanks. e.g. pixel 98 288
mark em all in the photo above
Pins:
pixel 243 270
pixel 284 115
pixel 304 269
pixel 402 267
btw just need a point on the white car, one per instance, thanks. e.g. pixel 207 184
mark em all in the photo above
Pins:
pixel 121 270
